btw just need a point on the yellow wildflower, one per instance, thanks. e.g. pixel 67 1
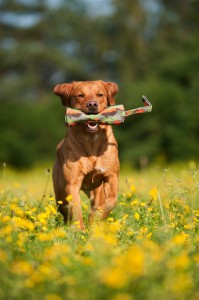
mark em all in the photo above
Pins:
pixel 130 233
pixel 45 269
pixel 136 216
pixel 8 239
pixel 69 198
pixel 5 219
pixel 143 230
pixel 187 209
pixel 24 224
pixel 149 235
pixel 76 225
pixel 58 233
pixel 17 210
pixel 114 277
pixel 42 218
pixel 172 225
pixel 188 226
pixel 135 202
pixel 181 238
pixel 87 261
pixel 22 268
pixel 133 189
pixel 110 239
pixel 134 261
pixel 154 193
pixel 52 210
pixel 42 236
pixel 6 231
pixel 83 238
pixel 150 209
pixel 180 262
pixel 114 227
pixel 89 247
pixel 125 217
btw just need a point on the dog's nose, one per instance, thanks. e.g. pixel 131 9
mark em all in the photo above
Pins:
pixel 92 105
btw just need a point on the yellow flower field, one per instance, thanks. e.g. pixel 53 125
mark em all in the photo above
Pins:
pixel 148 248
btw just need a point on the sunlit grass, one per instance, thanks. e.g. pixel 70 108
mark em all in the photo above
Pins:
pixel 146 249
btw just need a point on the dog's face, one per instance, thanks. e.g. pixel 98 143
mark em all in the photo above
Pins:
pixel 91 97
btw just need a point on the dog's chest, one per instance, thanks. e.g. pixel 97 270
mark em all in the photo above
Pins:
pixel 95 144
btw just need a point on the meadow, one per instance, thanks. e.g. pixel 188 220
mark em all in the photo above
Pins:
pixel 148 248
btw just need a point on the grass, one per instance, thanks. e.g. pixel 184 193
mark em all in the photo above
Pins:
pixel 146 249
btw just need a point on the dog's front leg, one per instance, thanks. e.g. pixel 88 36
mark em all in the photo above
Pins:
pixel 110 190
pixel 105 198
pixel 74 205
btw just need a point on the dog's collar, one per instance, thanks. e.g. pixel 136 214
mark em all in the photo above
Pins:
pixel 111 115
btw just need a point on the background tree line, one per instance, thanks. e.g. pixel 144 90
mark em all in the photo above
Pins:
pixel 147 47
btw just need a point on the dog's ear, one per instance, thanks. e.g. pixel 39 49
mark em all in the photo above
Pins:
pixel 63 91
pixel 112 89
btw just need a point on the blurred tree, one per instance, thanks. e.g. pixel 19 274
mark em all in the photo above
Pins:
pixel 37 48
pixel 171 71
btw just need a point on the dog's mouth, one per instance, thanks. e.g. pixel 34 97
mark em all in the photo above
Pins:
pixel 92 126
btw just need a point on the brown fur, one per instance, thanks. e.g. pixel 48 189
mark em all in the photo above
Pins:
pixel 87 159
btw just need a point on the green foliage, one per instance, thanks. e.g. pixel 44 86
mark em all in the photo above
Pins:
pixel 149 49
pixel 29 138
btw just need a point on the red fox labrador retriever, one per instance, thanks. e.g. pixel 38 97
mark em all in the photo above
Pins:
pixel 87 158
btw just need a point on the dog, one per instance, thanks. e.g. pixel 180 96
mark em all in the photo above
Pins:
pixel 87 158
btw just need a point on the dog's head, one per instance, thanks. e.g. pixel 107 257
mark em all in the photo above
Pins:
pixel 91 97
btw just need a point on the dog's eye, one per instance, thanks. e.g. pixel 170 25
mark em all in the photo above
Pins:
pixel 80 95
pixel 100 95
